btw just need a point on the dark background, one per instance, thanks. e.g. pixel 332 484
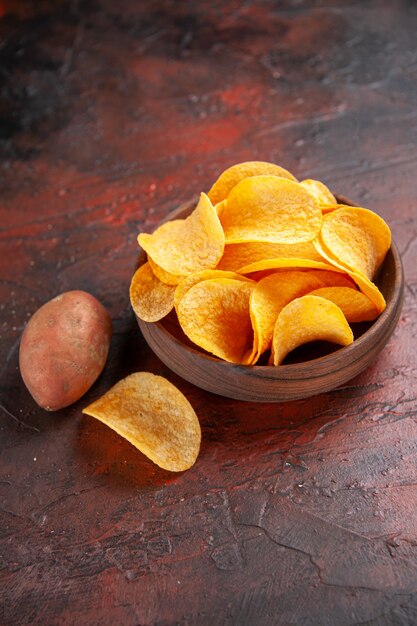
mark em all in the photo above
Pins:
pixel 111 114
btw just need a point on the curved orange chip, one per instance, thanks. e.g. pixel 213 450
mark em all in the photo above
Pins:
pixel 191 280
pixel 234 174
pixel 237 255
pixel 154 416
pixel 355 305
pixel 151 299
pixel 272 264
pixel 365 285
pixel 357 238
pixel 163 275
pixel 309 318
pixel 214 314
pixel 182 247
pixel 269 297
pixel 319 191
pixel 269 208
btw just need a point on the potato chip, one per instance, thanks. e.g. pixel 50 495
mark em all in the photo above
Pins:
pixel 151 299
pixel 306 319
pixel 233 175
pixel 191 280
pixel 214 314
pixel 273 264
pixel 154 416
pixel 182 247
pixel 357 238
pixel 320 192
pixel 163 275
pixel 355 305
pixel 365 285
pixel 269 208
pixel 269 297
pixel 237 255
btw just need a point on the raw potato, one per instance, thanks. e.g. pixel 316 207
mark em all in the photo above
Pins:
pixel 64 348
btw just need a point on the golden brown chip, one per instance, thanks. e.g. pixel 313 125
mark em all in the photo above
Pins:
pixel 191 280
pixel 309 318
pixel 234 174
pixel 269 208
pixel 214 314
pixel 154 416
pixel 151 299
pixel 357 238
pixel 237 255
pixel 269 297
pixel 355 305
pixel 182 247
pixel 320 192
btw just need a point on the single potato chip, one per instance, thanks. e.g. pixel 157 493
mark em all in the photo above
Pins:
pixel 154 416
pixel 357 238
pixel 355 305
pixel 214 314
pixel 269 208
pixel 305 319
pixel 182 247
pixel 365 285
pixel 234 174
pixel 237 255
pixel 163 275
pixel 191 280
pixel 151 299
pixel 320 192
pixel 269 297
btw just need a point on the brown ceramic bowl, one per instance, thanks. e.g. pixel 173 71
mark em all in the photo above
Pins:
pixel 317 367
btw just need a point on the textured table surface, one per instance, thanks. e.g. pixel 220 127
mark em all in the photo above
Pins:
pixel 111 114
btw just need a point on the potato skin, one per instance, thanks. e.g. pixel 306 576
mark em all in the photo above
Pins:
pixel 64 348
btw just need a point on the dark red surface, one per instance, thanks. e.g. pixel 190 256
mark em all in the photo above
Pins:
pixel 111 114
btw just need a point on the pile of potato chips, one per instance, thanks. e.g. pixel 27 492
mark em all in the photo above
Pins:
pixel 262 265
